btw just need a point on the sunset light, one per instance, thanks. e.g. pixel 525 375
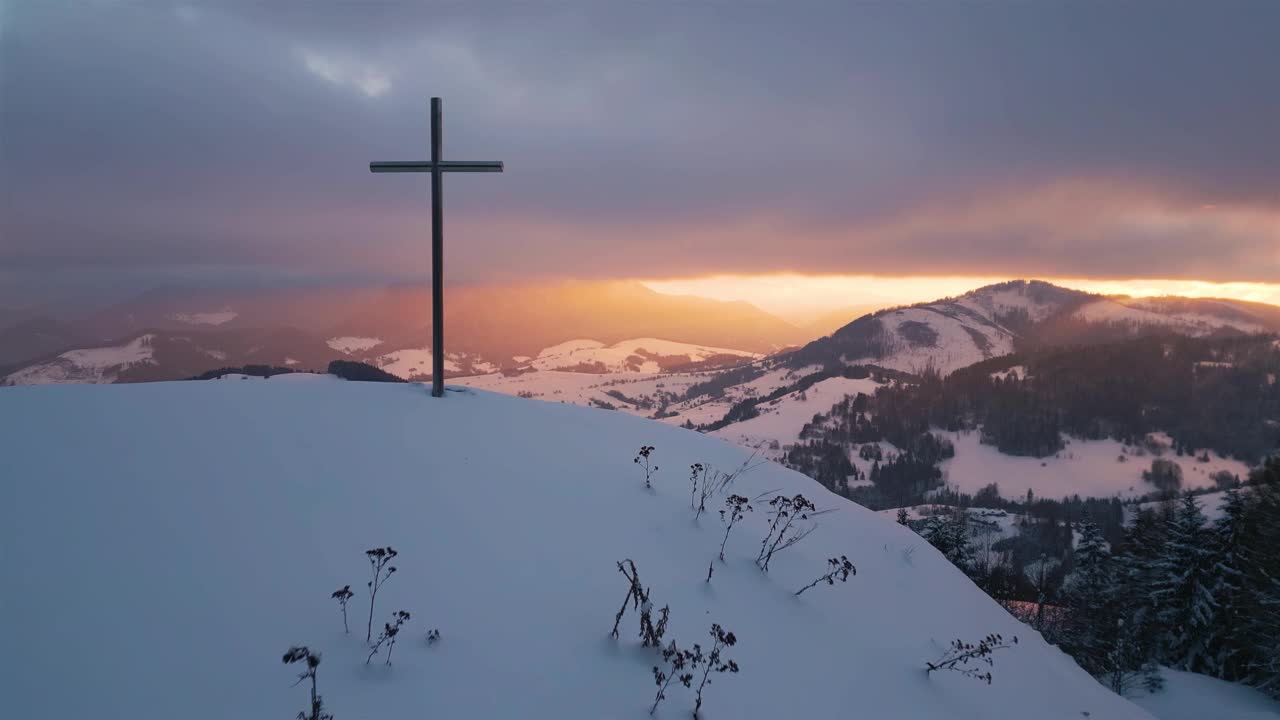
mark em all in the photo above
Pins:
pixel 800 298
pixel 911 360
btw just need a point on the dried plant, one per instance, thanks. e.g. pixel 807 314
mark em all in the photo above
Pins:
pixel 638 597
pixel 786 511
pixel 650 632
pixel 735 507
pixel 388 636
pixel 312 660
pixel 677 664
pixel 682 666
pixel 343 595
pixel 960 654
pixel 696 470
pixel 712 662
pixel 707 482
pixel 837 568
pixel 635 592
pixel 642 459
pixel 379 563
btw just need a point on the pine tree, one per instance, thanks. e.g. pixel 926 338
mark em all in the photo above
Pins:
pixel 1182 590
pixel 1258 639
pixel 1092 614
pixel 950 535
pixel 1232 591
pixel 1041 574
pixel 1135 574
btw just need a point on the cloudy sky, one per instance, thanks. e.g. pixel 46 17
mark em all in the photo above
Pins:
pixel 228 142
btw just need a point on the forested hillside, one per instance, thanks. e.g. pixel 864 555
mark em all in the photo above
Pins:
pixel 1207 394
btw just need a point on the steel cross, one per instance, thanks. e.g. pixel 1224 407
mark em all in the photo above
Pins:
pixel 437 168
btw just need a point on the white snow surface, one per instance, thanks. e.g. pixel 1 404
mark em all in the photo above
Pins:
pixel 954 347
pixel 1210 503
pixel 91 365
pixel 1089 468
pixel 1136 313
pixel 993 303
pixel 216 317
pixel 781 420
pixel 414 362
pixel 1190 696
pixel 349 343
pixel 625 356
pixel 185 571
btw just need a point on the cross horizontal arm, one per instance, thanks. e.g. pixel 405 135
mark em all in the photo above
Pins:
pixel 427 166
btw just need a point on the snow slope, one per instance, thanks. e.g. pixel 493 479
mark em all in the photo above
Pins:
pixel 352 343
pixel 1188 696
pixel 942 339
pixel 644 355
pixel 167 583
pixel 216 317
pixel 945 334
pixel 91 365
pixel 1089 468
pixel 413 362
pixel 1140 312
pixel 780 421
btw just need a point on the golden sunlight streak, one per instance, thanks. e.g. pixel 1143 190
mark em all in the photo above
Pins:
pixel 802 298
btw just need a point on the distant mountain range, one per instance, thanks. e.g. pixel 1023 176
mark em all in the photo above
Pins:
pixel 1109 369
pixel 167 334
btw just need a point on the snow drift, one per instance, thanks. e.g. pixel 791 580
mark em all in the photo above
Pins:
pixel 165 543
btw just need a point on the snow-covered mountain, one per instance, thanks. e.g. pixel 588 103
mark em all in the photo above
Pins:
pixel 489 327
pixel 169 355
pixel 90 365
pixel 592 327
pixel 943 335
pixel 180 355
pixel 777 403
pixel 179 575
pixel 952 333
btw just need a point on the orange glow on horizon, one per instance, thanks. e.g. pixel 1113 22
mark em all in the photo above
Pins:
pixel 801 298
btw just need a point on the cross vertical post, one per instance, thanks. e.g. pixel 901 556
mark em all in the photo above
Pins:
pixel 437 167
pixel 437 253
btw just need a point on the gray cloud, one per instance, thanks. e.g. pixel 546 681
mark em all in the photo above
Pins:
pixel 644 138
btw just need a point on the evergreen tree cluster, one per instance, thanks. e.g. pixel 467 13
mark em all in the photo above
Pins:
pixel 1171 588
pixel 1206 393
pixel 1181 591
pixel 361 372
pixel 1215 394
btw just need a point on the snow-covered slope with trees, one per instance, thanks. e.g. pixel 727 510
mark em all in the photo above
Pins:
pixel 1189 696
pixel 951 333
pixel 168 583
pixel 1090 468
pixel 643 355
pixel 945 334
pixel 90 365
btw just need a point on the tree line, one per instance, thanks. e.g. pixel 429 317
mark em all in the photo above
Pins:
pixel 1173 589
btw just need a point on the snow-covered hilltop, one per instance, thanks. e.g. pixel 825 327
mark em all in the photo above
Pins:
pixel 168 582
pixel 952 333
pixel 90 365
